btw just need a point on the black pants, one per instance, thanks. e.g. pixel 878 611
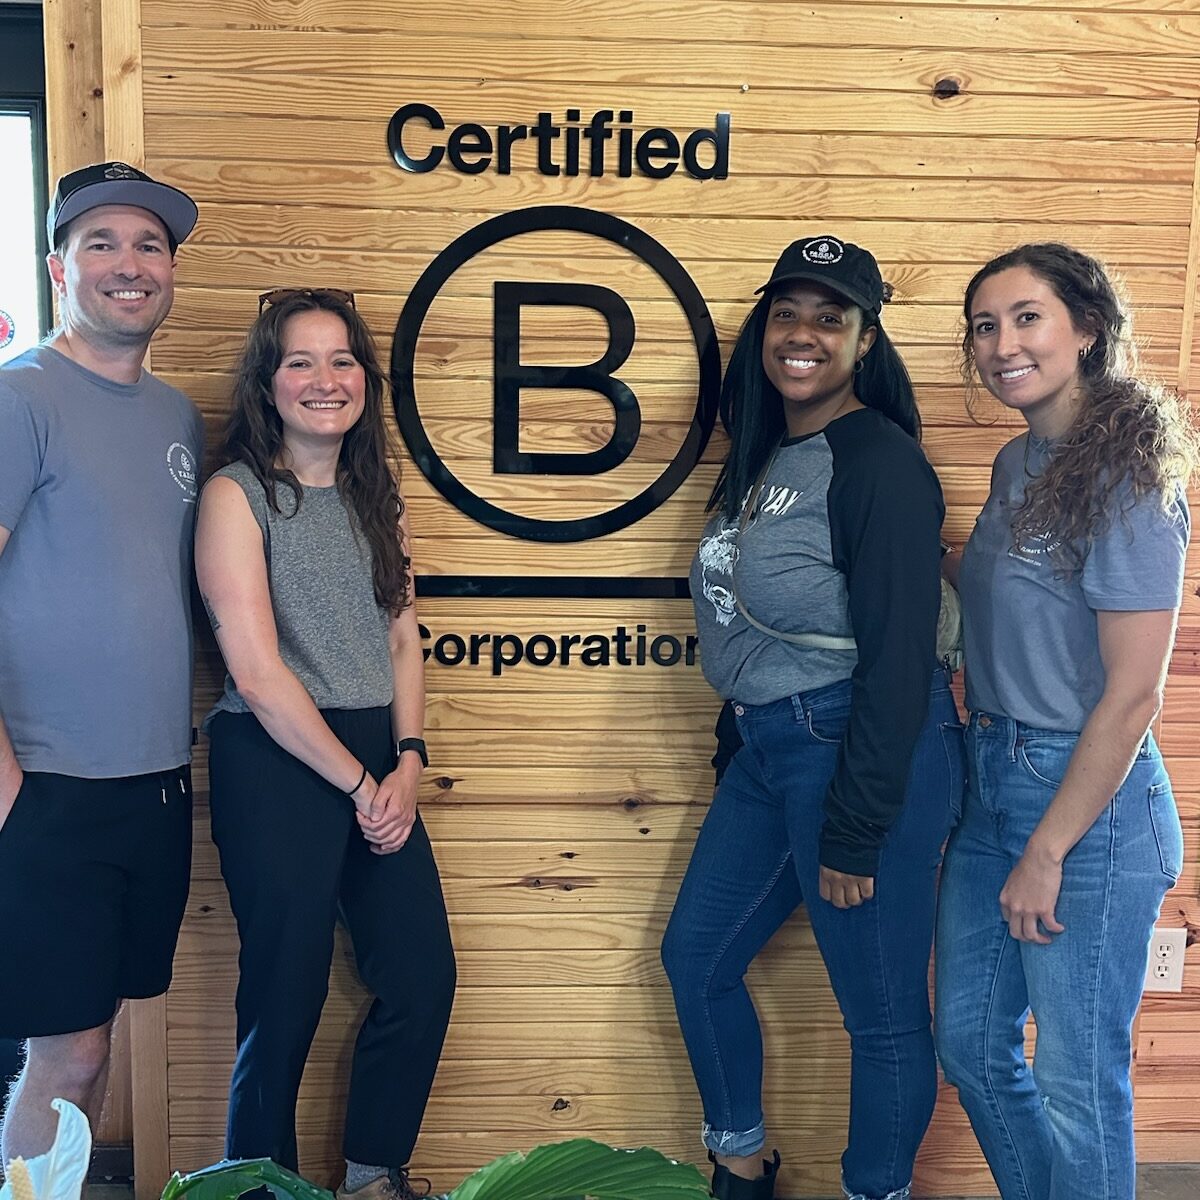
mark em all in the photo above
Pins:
pixel 12 1059
pixel 294 859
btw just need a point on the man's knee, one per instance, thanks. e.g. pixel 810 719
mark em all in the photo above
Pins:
pixel 73 1062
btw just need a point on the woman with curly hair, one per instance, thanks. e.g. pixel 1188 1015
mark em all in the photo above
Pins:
pixel 316 742
pixel 1071 584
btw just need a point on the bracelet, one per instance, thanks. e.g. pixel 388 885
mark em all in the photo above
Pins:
pixel 360 781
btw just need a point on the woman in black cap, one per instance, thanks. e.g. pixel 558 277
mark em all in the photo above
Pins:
pixel 816 588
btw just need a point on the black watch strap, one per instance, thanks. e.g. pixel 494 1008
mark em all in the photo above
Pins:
pixel 417 744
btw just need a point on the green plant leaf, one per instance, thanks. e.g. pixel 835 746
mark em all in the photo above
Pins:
pixel 584 1170
pixel 228 1180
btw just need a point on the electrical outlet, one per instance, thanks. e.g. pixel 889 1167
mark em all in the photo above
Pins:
pixel 1164 968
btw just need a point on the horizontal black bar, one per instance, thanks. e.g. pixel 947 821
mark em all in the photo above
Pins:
pixel 585 587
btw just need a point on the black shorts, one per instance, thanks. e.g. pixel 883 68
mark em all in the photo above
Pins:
pixel 94 877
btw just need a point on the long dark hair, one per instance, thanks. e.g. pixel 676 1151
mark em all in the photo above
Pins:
pixel 752 409
pixel 1127 432
pixel 254 436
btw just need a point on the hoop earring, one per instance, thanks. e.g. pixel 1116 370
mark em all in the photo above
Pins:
pixel 858 366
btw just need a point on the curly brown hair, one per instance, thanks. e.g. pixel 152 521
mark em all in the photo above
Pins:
pixel 254 435
pixel 1129 434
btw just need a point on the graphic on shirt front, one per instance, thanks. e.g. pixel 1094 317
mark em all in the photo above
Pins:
pixel 718 556
pixel 181 462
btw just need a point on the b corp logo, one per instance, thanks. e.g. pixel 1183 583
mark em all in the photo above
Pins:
pixel 511 375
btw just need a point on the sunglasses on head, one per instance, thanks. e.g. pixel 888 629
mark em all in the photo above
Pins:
pixel 279 295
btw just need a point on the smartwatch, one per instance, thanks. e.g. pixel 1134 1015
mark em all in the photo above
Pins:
pixel 417 744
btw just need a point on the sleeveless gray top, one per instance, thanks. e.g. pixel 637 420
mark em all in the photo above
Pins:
pixel 332 634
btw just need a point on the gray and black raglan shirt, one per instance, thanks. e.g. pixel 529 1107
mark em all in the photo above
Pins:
pixel 843 540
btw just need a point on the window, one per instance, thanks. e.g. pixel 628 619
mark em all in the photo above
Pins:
pixel 24 290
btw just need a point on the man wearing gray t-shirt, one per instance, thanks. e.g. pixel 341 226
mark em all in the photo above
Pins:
pixel 98 472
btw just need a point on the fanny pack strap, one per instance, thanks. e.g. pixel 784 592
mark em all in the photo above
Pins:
pixel 949 648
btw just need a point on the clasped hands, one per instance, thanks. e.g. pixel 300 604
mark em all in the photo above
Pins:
pixel 387 810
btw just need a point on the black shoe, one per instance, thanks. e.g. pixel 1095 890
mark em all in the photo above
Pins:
pixel 728 1186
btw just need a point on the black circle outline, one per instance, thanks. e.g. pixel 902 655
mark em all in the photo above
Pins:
pixel 466 247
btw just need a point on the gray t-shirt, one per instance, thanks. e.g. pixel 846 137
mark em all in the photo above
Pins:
pixel 98 487
pixel 1030 637
pixel 332 634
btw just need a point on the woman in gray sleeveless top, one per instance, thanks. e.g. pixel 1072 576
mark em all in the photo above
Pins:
pixel 316 741
pixel 1070 584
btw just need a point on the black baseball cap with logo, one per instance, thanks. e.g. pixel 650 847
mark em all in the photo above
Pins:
pixel 848 269
pixel 118 183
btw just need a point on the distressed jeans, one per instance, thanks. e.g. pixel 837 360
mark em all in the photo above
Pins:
pixel 1063 1131
pixel 755 861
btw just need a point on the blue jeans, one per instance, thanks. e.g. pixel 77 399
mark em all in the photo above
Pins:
pixel 755 861
pixel 1065 1129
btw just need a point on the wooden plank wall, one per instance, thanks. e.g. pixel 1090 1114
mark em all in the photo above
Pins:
pixel 563 802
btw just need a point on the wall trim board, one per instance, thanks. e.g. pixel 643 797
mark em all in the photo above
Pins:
pixel 124 124
pixel 1191 293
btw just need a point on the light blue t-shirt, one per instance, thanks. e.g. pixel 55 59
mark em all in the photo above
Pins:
pixel 98 485
pixel 1030 636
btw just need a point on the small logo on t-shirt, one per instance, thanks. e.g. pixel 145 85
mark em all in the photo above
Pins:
pixel 181 462
pixel 7 329
pixel 1034 548
pixel 823 251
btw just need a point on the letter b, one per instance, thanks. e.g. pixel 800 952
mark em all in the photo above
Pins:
pixel 511 375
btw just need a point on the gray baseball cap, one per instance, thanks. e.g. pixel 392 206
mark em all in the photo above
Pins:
pixel 119 183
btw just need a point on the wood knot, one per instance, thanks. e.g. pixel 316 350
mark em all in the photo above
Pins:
pixel 560 1104
pixel 568 854
pixel 630 803
pixel 445 782
pixel 644 829
pixel 945 88
pixel 97 93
